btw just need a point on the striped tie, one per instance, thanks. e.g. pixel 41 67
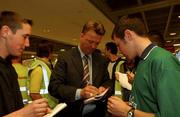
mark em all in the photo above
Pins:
pixel 86 75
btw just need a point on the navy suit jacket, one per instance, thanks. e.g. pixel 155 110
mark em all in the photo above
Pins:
pixel 67 77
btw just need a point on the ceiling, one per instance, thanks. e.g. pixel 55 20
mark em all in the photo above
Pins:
pixel 59 20
pixel 62 20
pixel 158 15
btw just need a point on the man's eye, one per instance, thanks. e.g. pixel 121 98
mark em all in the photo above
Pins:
pixel 90 41
pixel 25 36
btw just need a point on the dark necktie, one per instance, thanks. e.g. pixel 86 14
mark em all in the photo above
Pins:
pixel 86 75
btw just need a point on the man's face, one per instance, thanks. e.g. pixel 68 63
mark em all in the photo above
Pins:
pixel 16 42
pixel 126 47
pixel 89 41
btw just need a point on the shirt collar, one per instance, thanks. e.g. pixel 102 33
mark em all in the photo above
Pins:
pixel 82 54
pixel 147 51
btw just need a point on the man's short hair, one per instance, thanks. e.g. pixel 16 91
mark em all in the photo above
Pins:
pixel 156 37
pixel 12 20
pixel 94 26
pixel 129 22
pixel 112 47
pixel 44 48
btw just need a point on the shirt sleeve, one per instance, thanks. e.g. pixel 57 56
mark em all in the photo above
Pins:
pixel 77 97
pixel 35 80
pixel 168 95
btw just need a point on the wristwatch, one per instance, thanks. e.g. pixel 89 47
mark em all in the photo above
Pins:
pixel 131 112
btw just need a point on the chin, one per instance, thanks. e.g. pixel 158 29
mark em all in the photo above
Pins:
pixel 129 58
pixel 18 54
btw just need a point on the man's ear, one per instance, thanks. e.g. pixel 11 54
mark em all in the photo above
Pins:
pixel 128 35
pixel 4 31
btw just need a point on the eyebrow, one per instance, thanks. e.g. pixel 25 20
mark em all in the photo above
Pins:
pixel 26 35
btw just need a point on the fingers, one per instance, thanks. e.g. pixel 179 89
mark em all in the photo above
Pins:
pixel 112 100
pixel 89 91
pixel 39 112
pixel 39 107
pixel 110 104
pixel 101 89
pixel 49 110
pixel 39 101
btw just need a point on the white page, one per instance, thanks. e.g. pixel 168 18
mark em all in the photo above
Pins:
pixel 58 108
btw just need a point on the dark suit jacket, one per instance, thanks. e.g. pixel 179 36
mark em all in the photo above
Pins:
pixel 67 77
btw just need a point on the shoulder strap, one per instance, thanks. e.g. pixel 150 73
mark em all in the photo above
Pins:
pixel 118 64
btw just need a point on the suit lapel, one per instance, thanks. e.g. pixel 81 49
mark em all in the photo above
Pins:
pixel 95 67
pixel 76 60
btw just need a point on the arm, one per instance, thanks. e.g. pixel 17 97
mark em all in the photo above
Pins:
pixel 64 79
pixel 118 108
pixel 35 83
pixel 37 108
pixel 165 83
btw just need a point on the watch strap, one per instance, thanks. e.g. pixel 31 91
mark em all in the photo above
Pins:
pixel 131 112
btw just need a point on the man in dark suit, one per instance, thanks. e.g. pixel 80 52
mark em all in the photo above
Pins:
pixel 67 79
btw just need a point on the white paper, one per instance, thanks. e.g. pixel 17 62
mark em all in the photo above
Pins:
pixel 58 108
pixel 123 80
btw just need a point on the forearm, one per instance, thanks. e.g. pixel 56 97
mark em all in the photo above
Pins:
pixel 138 113
pixel 118 107
pixel 37 108
pixel 18 113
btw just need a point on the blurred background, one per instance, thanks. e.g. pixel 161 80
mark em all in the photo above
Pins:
pixel 60 21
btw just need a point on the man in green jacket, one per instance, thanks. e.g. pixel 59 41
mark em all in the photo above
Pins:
pixel 155 91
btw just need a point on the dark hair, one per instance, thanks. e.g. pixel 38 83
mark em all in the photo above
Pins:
pixel 95 26
pixel 129 22
pixel 156 37
pixel 12 20
pixel 112 47
pixel 28 21
pixel 44 48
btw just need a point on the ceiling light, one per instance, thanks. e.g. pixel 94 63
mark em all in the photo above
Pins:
pixel 62 50
pixel 172 34
pixel 46 30
pixel 179 16
pixel 32 56
pixel 74 39
pixel 168 41
pixel 177 44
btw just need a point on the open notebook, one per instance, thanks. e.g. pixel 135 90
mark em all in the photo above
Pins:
pixel 58 108
pixel 101 96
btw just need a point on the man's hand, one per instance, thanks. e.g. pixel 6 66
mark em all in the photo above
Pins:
pixel 130 76
pixel 101 89
pixel 117 106
pixel 37 108
pixel 89 91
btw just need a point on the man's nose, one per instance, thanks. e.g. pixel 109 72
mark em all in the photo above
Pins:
pixel 27 44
